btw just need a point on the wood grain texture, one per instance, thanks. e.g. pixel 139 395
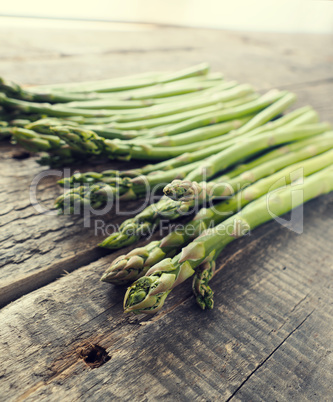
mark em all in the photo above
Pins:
pixel 269 336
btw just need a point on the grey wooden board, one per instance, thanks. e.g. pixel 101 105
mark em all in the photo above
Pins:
pixel 269 336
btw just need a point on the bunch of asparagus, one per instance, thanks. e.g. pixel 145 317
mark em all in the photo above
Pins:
pixel 156 116
pixel 124 108
pixel 147 294
pixel 223 153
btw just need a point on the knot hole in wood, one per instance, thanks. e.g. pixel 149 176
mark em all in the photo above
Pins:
pixel 94 355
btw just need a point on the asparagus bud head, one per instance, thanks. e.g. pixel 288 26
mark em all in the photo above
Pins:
pixel 180 190
pixel 147 294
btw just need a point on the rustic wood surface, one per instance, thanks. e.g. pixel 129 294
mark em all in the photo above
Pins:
pixel 63 333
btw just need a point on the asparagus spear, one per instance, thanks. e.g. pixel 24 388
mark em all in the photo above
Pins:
pixel 66 87
pixel 44 126
pixel 203 274
pixel 147 294
pixel 138 261
pixel 35 142
pixel 279 106
pixel 309 115
pixel 219 154
pixel 269 156
pixel 197 135
pixel 251 146
pixel 179 117
pixel 149 109
pixel 87 141
pixel 207 119
pixel 181 103
pixel 5 131
pixel 209 147
pixel 124 188
pixel 190 85
pixel 128 268
pixel 185 190
pixel 216 117
pixel 16 91
pixel 128 83
pixel 231 129
pixel 107 177
pixel 210 134
pixel 48 109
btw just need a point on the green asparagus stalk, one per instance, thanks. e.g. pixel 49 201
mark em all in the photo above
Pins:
pixel 203 274
pixel 190 85
pixel 83 141
pixel 192 137
pixel 185 190
pixel 48 109
pixel 251 146
pixel 146 125
pixel 107 177
pixel 128 83
pixel 138 261
pixel 181 103
pixel 197 135
pixel 234 97
pixel 206 148
pixel 222 154
pixel 5 131
pixel 207 119
pixel 291 119
pixel 44 126
pixel 35 142
pixel 153 108
pixel 128 268
pixel 230 127
pixel 217 117
pixel 147 294
pixel 269 156
pixel 66 87
pixel 279 106
pixel 20 123
pixel 90 143
pixel 14 90
pixel 87 141
pixel 124 188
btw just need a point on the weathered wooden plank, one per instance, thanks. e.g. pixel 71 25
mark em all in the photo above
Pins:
pixel 271 296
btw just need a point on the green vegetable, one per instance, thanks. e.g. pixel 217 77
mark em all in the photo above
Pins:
pixel 147 294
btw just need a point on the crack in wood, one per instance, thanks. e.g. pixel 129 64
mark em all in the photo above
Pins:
pixel 45 276
pixel 269 356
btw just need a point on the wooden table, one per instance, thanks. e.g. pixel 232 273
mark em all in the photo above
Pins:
pixel 269 336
